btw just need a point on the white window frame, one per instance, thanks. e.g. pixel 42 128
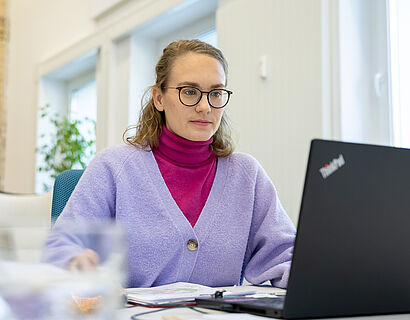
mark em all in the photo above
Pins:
pixel 356 96
pixel 399 70
pixel 55 89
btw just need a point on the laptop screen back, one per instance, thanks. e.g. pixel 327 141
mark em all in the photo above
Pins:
pixel 353 242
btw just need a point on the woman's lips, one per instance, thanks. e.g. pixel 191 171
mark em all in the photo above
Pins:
pixel 201 122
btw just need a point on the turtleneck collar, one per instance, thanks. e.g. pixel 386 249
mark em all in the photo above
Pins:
pixel 183 152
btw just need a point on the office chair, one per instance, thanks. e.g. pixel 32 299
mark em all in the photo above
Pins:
pixel 63 187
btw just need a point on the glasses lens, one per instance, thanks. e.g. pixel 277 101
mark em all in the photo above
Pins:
pixel 189 96
pixel 218 98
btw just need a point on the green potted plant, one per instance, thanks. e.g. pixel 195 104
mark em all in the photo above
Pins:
pixel 68 148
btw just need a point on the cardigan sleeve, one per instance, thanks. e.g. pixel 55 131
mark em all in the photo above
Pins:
pixel 271 238
pixel 92 201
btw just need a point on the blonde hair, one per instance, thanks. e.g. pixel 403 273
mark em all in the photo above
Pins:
pixel 149 127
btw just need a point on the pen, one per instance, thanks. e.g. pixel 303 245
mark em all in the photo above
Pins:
pixel 243 293
pixel 224 293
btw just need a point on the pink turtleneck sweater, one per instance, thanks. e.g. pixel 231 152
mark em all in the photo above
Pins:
pixel 188 169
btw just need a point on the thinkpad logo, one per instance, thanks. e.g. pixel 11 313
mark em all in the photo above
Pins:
pixel 334 165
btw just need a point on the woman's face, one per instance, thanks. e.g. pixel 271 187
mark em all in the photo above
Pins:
pixel 199 122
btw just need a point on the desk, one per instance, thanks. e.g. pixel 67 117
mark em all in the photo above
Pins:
pixel 185 313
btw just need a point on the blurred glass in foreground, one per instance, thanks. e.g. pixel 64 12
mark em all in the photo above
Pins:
pixel 34 290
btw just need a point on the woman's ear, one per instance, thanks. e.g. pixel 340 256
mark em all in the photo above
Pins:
pixel 157 98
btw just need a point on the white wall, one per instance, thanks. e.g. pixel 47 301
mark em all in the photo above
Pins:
pixel 45 35
pixel 38 29
pixel 118 89
pixel 275 117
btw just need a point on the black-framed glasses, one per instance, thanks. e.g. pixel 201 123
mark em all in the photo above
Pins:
pixel 190 96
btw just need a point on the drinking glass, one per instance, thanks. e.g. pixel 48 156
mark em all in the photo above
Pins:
pixel 39 290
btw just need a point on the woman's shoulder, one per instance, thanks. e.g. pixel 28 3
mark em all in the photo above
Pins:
pixel 244 162
pixel 117 155
pixel 242 158
pixel 118 150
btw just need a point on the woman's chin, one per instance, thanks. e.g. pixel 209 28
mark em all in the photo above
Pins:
pixel 198 135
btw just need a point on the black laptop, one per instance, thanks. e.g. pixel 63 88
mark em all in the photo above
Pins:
pixel 352 249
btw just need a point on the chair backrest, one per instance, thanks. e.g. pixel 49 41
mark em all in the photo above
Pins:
pixel 63 187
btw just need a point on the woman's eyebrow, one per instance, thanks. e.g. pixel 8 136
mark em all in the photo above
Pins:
pixel 194 84
pixel 188 83
pixel 216 86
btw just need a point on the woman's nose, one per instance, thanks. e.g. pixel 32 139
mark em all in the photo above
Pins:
pixel 203 105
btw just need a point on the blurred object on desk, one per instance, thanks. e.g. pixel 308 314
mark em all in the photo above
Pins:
pixel 44 291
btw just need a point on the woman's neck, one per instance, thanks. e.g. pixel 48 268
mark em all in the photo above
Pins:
pixel 184 152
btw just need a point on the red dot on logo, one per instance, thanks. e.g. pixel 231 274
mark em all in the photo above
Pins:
pixel 326 165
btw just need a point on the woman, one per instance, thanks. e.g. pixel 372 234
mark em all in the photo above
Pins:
pixel 192 209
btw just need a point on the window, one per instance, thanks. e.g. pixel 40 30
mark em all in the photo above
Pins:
pixel 374 71
pixel 399 23
pixel 69 91
pixel 83 108
pixel 362 58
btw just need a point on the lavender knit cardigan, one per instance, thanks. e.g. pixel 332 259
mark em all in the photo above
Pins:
pixel 243 228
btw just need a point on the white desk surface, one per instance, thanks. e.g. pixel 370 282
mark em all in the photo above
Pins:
pixel 188 314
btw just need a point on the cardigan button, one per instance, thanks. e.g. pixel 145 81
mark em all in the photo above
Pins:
pixel 192 244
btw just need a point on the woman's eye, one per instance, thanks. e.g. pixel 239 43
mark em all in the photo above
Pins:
pixel 189 92
pixel 216 94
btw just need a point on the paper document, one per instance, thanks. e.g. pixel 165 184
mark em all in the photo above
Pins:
pixel 168 294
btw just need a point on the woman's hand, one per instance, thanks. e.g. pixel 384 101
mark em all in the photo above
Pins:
pixel 88 260
pixel 84 261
